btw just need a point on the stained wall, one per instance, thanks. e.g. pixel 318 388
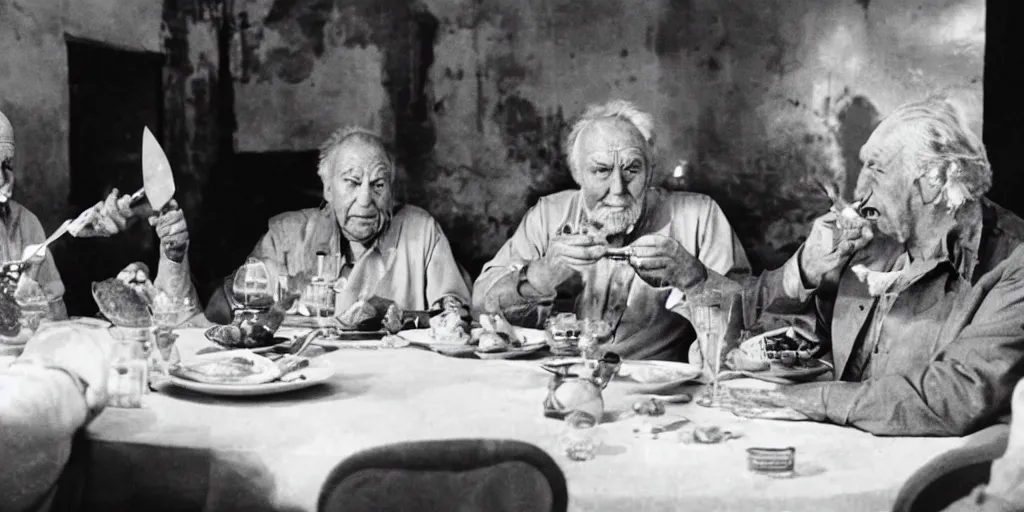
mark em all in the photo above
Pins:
pixel 758 99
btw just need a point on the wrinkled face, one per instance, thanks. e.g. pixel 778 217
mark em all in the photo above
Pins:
pixel 6 171
pixel 889 173
pixel 359 188
pixel 612 172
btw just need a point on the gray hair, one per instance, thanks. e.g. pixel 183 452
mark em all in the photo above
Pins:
pixel 330 147
pixel 949 147
pixel 617 109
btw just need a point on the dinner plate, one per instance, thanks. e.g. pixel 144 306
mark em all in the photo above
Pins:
pixel 638 376
pixel 781 374
pixel 512 353
pixel 423 337
pixel 654 376
pixel 317 372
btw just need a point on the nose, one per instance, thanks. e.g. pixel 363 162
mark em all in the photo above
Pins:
pixel 364 199
pixel 618 184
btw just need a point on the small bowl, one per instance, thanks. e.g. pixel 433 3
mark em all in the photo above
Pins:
pixel 771 461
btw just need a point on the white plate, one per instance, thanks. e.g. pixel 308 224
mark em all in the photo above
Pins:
pixel 512 353
pixel 317 372
pixel 654 376
pixel 423 337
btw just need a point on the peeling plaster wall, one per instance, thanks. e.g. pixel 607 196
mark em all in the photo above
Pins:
pixel 34 82
pixel 759 98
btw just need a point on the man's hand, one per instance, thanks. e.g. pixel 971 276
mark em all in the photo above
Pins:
pixel 763 404
pixel 661 261
pixel 78 350
pixel 566 255
pixel 172 230
pixel 105 218
pixel 833 241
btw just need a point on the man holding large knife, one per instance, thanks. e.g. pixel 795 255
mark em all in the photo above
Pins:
pixel 112 215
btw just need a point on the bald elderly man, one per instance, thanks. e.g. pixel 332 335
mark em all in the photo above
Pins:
pixel 556 260
pixel 20 229
pixel 373 245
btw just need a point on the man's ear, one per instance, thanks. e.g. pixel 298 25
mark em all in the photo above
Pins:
pixel 931 184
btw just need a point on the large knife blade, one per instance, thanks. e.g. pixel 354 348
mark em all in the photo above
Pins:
pixel 157 179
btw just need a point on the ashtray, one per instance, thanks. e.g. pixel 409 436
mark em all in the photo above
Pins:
pixel 771 461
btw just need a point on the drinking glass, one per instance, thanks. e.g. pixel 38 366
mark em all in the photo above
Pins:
pixel 581 436
pixel 129 369
pixel 710 314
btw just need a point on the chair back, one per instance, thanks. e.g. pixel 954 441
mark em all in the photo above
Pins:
pixel 954 474
pixel 466 475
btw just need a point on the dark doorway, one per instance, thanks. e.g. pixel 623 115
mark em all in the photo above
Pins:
pixel 1004 119
pixel 113 94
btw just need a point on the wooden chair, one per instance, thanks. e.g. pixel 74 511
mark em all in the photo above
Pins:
pixel 463 474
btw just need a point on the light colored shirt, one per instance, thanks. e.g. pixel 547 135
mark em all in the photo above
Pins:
pixel 937 355
pixel 642 326
pixel 21 229
pixel 411 263
pixel 40 411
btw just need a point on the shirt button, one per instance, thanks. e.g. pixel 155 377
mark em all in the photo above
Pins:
pixel 861 307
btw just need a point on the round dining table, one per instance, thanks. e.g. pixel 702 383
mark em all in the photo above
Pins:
pixel 184 450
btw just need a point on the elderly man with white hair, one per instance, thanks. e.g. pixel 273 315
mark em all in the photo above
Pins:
pixel 557 259
pixel 379 247
pixel 921 295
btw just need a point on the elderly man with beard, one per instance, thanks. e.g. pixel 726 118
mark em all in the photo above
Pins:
pixel 921 297
pixel 676 240
pixel 20 229
pixel 382 249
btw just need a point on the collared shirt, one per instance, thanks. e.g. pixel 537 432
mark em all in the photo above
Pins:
pixel 411 263
pixel 21 229
pixel 642 326
pixel 938 353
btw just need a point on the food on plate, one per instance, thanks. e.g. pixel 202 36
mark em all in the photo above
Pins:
pixel 290 366
pixel 372 314
pixel 491 341
pixel 235 367
pixel 648 374
pixel 120 304
pixel 449 328
pixel 739 360
pixel 10 317
pixel 393 319
pixel 787 346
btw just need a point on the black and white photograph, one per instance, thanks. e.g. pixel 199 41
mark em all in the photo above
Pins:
pixel 511 256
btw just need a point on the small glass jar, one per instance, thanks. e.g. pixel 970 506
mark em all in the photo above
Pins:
pixel 581 437
pixel 318 298
pixel 129 368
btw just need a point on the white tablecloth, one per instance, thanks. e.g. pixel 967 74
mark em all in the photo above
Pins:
pixel 193 452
